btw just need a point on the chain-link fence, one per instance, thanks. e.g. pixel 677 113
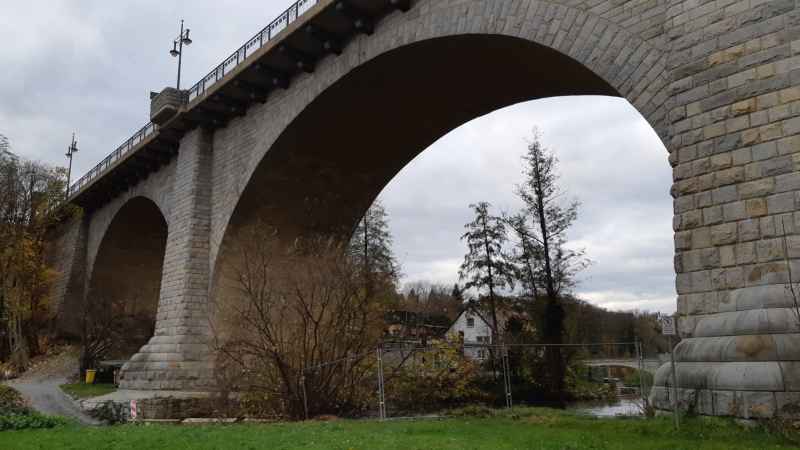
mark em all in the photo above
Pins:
pixel 407 379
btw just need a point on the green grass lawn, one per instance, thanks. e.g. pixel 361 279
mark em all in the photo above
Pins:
pixel 534 429
pixel 84 390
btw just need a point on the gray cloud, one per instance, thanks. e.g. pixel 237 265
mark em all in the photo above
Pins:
pixel 610 158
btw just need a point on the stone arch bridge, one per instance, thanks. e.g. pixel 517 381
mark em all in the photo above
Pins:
pixel 648 365
pixel 302 127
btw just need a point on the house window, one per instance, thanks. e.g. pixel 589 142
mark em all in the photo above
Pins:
pixel 481 354
pixel 470 322
pixel 483 339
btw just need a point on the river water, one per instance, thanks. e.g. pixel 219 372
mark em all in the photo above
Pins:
pixel 608 407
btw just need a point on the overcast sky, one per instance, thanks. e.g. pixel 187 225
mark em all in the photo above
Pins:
pixel 87 67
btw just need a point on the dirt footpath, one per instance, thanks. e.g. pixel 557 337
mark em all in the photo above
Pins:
pixel 40 386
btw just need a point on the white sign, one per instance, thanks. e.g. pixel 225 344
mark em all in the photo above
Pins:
pixel 8 373
pixel 668 325
pixel 133 409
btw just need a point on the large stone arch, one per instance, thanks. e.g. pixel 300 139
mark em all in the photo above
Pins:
pixel 550 49
pixel 627 63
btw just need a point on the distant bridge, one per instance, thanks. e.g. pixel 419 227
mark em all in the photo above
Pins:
pixel 649 365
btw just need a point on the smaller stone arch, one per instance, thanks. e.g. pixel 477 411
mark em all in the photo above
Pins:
pixel 125 278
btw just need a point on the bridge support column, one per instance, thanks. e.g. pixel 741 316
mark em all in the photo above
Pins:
pixel 178 356
pixel 734 136
pixel 743 361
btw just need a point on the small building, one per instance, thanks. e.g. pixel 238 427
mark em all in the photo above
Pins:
pixel 474 326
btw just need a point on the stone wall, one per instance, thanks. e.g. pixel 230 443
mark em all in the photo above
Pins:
pixel 734 107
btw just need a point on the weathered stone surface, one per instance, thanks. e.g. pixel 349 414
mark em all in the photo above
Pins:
pixel 734 376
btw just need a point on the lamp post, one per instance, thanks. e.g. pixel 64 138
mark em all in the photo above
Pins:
pixel 70 151
pixel 177 49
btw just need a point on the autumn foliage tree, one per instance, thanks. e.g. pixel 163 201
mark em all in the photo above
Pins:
pixel 29 192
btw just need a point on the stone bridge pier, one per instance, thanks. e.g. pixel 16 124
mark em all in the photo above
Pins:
pixel 301 128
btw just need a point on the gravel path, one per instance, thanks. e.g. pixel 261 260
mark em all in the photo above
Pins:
pixel 40 387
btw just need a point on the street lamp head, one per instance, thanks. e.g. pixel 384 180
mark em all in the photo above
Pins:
pixel 174 51
pixel 73 147
pixel 186 40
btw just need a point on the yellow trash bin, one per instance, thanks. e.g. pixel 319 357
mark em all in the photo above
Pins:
pixel 90 375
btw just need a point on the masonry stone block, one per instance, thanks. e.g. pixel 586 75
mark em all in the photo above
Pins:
pixel 781 203
pixel 701 238
pixel 757 189
pixel 730 176
pixel 726 403
pixel 724 234
pixel 734 211
pixel 724 195
pixel 788 182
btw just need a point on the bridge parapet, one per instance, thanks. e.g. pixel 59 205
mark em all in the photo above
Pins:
pixel 278 51
pixel 167 104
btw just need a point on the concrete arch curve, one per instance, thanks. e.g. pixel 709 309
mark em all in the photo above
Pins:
pixel 550 49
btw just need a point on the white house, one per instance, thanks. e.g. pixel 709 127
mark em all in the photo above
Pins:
pixel 475 326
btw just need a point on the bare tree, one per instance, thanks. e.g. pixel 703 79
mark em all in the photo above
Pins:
pixel 295 319
pixel 114 324
pixel 791 285
pixel 434 298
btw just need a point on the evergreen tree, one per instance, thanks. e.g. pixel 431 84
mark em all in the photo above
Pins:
pixel 371 247
pixel 548 266
pixel 485 266
pixel 457 293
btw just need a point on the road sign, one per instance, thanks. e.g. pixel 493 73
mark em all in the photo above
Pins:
pixel 133 409
pixel 668 325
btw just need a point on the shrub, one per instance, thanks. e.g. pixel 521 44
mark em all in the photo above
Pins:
pixel 11 403
pixel 633 380
pixel 15 410
pixel 111 412
pixel 33 421
pixel 9 396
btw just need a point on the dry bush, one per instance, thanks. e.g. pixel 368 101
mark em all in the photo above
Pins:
pixel 295 328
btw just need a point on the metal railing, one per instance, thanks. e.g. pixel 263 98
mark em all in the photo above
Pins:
pixel 283 20
pixel 115 155
pixel 263 36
